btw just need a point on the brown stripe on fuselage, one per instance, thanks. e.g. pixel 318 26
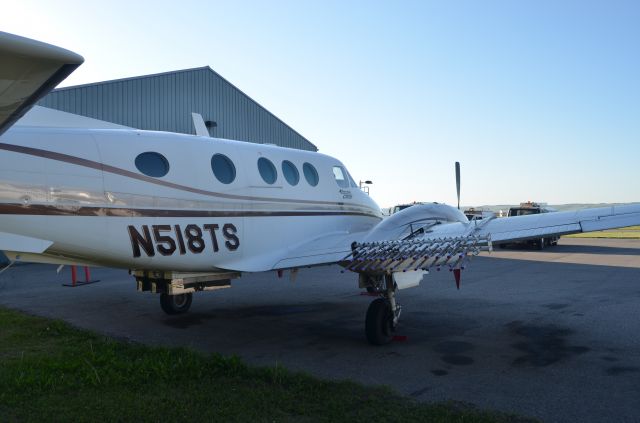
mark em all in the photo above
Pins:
pixel 50 210
pixel 66 158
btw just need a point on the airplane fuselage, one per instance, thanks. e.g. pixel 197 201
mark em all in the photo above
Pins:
pixel 100 196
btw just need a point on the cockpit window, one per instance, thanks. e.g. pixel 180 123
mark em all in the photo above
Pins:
pixel 152 164
pixel 341 178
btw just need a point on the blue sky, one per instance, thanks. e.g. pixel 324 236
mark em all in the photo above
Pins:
pixel 538 100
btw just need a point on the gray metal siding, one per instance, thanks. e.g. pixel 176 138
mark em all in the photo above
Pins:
pixel 164 102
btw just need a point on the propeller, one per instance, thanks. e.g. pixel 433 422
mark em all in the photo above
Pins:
pixel 458 182
pixel 457 271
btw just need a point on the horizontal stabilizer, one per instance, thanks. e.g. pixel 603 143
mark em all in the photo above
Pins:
pixel 29 70
pixel 23 244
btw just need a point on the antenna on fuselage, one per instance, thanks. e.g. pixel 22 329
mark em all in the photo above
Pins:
pixel 199 125
pixel 458 182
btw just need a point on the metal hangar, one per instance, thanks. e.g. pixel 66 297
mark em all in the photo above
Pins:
pixel 165 101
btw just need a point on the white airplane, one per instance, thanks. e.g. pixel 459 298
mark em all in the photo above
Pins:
pixel 189 213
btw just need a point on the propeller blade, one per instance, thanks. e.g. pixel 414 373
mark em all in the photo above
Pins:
pixel 458 182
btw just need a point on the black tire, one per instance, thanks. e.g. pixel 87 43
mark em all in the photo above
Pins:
pixel 176 304
pixel 379 322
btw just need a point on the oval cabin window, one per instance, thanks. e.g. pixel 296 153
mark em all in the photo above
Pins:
pixel 310 174
pixel 152 164
pixel 223 168
pixel 290 172
pixel 267 170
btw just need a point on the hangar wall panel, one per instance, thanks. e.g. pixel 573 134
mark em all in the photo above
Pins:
pixel 165 101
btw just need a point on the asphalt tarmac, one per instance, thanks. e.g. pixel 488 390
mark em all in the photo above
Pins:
pixel 552 334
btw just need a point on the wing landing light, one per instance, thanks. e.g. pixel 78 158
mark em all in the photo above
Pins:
pixel 30 69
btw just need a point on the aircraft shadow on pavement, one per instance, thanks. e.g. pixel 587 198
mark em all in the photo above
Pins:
pixel 579 249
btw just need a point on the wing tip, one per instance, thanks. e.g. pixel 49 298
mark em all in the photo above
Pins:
pixel 16 44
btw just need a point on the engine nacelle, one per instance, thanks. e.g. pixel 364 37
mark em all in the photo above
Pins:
pixel 415 219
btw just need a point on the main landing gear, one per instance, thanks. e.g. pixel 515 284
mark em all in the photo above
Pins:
pixel 176 288
pixel 176 304
pixel 383 313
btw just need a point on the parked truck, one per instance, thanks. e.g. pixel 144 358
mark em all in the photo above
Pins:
pixel 528 208
pixel 399 207
pixel 478 214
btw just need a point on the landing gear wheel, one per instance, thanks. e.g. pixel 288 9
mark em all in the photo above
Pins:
pixel 379 325
pixel 176 304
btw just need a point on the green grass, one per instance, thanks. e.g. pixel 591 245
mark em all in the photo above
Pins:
pixel 631 232
pixel 50 371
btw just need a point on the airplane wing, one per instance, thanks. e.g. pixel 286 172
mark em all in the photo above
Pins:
pixel 547 224
pixel 426 236
pixel 327 249
pixel 435 235
pixel 29 70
